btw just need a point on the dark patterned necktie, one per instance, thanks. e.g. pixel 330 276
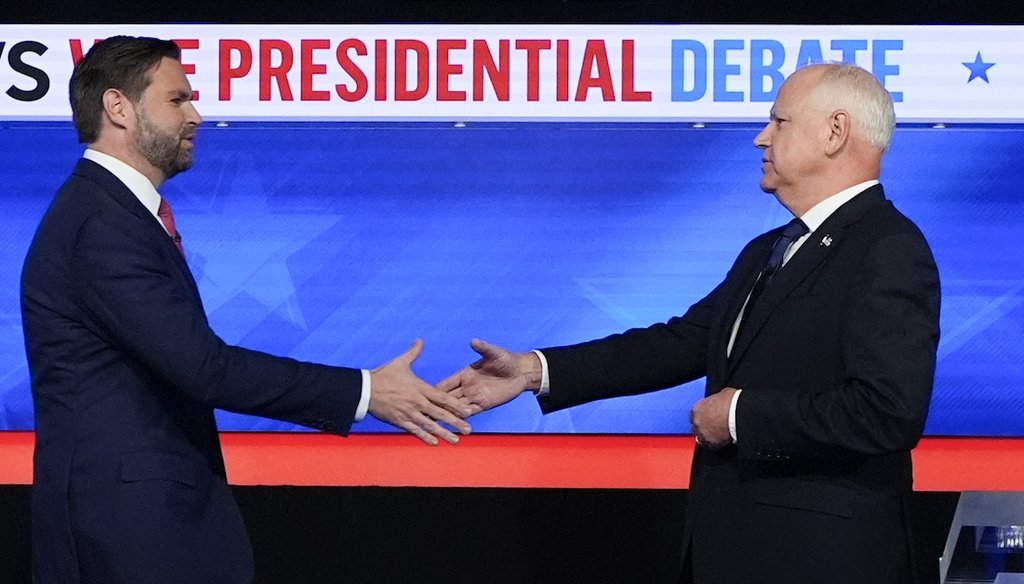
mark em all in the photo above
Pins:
pixel 794 231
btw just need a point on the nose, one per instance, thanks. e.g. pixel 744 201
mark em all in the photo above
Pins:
pixel 762 140
pixel 192 114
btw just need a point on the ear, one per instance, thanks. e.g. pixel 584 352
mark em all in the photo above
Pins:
pixel 838 132
pixel 118 109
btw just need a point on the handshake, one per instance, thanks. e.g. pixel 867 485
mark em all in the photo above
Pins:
pixel 402 399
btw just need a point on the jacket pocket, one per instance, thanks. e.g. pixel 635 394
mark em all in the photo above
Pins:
pixel 160 466
pixel 808 496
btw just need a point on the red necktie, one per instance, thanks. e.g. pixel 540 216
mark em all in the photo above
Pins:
pixel 167 218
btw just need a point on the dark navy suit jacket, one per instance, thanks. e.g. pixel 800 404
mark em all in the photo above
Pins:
pixel 129 479
pixel 836 363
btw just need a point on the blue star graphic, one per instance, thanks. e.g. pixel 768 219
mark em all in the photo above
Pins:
pixel 979 69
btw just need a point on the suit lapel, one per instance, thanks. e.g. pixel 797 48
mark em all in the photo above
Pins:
pixel 749 268
pixel 125 198
pixel 820 244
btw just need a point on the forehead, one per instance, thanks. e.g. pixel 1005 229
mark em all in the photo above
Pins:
pixel 168 77
pixel 795 89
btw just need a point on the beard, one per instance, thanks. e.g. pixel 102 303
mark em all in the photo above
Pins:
pixel 163 150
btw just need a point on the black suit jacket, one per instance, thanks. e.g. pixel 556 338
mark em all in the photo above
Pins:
pixel 129 480
pixel 836 363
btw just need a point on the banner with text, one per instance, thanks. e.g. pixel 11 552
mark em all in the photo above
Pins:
pixel 936 74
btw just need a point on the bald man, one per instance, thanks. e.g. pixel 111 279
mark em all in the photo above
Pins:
pixel 819 352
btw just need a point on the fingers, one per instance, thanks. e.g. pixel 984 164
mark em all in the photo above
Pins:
pixel 419 433
pixel 429 431
pixel 456 401
pixel 486 350
pixel 434 426
pixel 447 409
pixel 451 382
pixel 409 357
pixel 426 426
pixel 423 422
pixel 420 410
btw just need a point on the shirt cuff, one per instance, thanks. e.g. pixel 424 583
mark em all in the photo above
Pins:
pixel 364 399
pixel 545 382
pixel 732 414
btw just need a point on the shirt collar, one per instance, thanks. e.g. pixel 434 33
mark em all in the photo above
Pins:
pixel 817 214
pixel 137 183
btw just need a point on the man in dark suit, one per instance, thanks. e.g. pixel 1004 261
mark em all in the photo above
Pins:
pixel 129 479
pixel 819 351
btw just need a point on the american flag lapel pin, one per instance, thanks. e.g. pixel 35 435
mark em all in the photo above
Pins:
pixel 826 241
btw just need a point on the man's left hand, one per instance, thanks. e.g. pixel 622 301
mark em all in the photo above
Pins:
pixel 710 419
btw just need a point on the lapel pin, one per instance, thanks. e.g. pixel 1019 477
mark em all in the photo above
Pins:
pixel 826 241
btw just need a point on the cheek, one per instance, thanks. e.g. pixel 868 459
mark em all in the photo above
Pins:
pixel 779 155
pixel 792 155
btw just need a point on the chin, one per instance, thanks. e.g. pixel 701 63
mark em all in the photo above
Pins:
pixel 185 161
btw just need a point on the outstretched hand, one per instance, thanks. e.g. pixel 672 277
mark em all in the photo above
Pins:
pixel 496 378
pixel 400 398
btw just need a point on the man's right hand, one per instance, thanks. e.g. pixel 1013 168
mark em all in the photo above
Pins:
pixel 496 378
pixel 400 398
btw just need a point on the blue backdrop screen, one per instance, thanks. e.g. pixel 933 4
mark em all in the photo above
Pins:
pixel 342 243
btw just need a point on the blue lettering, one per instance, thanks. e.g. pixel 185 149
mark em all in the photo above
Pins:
pixel 723 69
pixel 767 59
pixel 880 68
pixel 849 49
pixel 700 75
pixel 759 70
pixel 810 53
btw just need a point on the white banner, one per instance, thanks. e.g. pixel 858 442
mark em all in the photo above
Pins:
pixel 505 72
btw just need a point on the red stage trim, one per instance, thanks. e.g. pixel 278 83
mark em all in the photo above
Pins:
pixel 529 461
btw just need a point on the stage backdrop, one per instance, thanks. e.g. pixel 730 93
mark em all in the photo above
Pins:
pixel 343 241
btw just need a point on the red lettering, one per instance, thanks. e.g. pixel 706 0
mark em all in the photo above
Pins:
pixel 562 71
pixel 76 49
pixel 227 72
pixel 279 73
pixel 445 70
pixel 498 74
pixel 190 68
pixel 595 54
pixel 629 75
pixel 307 69
pixel 352 70
pixel 402 90
pixel 380 74
pixel 533 49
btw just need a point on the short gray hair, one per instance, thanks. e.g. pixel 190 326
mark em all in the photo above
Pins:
pixel 847 86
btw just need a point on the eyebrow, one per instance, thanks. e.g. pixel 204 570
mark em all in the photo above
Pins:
pixel 180 94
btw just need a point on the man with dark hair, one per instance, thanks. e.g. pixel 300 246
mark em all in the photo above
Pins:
pixel 124 64
pixel 819 351
pixel 129 479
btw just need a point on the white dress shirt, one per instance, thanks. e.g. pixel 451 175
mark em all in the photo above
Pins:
pixel 146 193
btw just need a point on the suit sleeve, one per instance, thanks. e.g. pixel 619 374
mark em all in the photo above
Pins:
pixel 890 332
pixel 126 286
pixel 636 361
